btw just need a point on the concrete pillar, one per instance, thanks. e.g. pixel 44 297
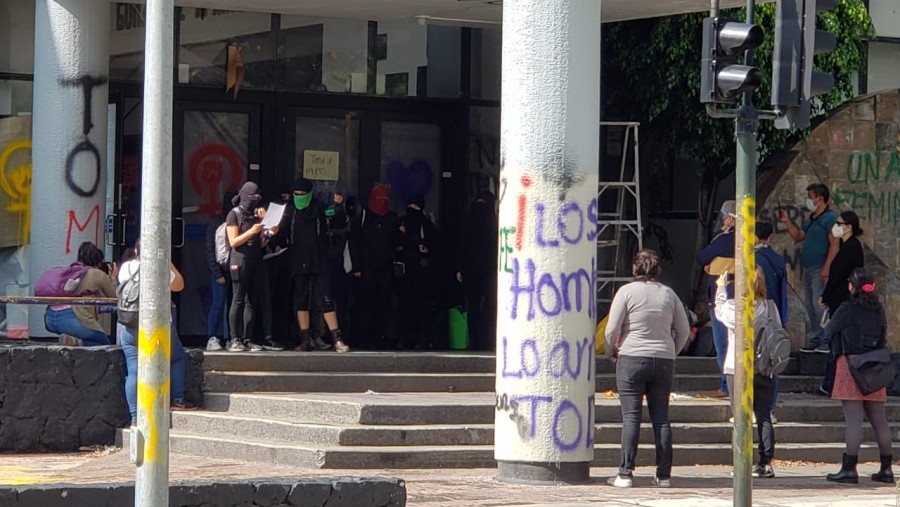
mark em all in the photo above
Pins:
pixel 544 423
pixel 71 68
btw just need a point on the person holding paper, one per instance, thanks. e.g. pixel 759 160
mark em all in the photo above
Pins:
pixel 249 277
pixel 309 267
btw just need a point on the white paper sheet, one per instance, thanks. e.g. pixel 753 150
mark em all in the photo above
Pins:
pixel 273 216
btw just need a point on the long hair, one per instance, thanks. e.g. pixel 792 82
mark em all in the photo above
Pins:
pixel 862 291
pixel 759 285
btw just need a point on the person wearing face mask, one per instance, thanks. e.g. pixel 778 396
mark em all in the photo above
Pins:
pixel 849 257
pixel 816 255
pixel 309 267
pixel 374 239
pixel 249 277
pixel 717 258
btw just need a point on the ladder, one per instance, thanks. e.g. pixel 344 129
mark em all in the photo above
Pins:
pixel 620 232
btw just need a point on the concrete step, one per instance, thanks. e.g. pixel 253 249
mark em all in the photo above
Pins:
pixel 212 423
pixel 393 409
pixel 356 382
pixel 404 457
pixel 400 362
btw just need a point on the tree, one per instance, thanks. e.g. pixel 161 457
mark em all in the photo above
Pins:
pixel 651 74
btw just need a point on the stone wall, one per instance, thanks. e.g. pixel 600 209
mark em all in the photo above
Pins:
pixel 57 399
pixel 856 152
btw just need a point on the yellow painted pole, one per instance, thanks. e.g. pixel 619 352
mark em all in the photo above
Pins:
pixel 154 334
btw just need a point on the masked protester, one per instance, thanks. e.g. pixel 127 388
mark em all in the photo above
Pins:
pixel 374 238
pixel 309 267
pixel 419 242
pixel 478 270
pixel 249 277
pixel 278 264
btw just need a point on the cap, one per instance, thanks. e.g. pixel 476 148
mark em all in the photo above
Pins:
pixel 728 208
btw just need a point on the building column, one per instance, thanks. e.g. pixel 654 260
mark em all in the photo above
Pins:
pixel 544 419
pixel 69 132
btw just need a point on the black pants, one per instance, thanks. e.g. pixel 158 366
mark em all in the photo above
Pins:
pixel 481 308
pixel 416 307
pixel 283 317
pixel 764 392
pixel 374 308
pixel 635 378
pixel 250 283
pixel 340 289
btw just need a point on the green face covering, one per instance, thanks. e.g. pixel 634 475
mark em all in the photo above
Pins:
pixel 301 202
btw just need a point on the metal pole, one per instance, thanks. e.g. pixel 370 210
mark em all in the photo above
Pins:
pixel 154 335
pixel 745 265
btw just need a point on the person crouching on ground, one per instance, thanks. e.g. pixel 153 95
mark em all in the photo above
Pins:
pixel 128 337
pixel 763 387
pixel 858 326
pixel 647 328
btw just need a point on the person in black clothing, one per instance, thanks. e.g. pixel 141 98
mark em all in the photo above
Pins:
pixel 309 267
pixel 249 277
pixel 219 286
pixel 478 271
pixel 419 240
pixel 338 217
pixel 374 238
pixel 859 326
pixel 279 269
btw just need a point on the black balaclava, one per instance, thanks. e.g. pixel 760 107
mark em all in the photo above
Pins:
pixel 248 203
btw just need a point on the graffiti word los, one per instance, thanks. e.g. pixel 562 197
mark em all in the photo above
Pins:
pixel 526 361
pixel 568 225
pixel 864 167
pixel 209 167
pixel 93 216
pixel 564 413
pixel 883 205
pixel 16 184
pixel 551 294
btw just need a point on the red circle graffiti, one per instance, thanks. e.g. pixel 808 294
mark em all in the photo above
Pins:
pixel 206 172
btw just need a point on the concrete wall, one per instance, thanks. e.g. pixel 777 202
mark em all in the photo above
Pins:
pixel 856 152
pixel 884 65
pixel 57 399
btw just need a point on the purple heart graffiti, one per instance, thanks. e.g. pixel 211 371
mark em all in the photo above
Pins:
pixel 406 181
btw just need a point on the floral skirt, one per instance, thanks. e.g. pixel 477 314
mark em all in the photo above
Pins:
pixel 845 387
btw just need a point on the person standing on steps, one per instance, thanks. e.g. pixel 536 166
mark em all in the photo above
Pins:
pixel 716 258
pixel 858 326
pixel 477 271
pixel 775 270
pixel 309 267
pixel 816 255
pixel 247 268
pixel 220 285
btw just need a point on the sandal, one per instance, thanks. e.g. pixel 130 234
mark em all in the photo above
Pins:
pixel 340 347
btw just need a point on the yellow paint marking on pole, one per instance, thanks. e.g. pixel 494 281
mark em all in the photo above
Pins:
pixel 746 356
pixel 150 396
pixel 156 341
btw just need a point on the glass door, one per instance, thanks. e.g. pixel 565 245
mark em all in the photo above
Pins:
pixel 411 155
pixel 325 149
pixel 217 148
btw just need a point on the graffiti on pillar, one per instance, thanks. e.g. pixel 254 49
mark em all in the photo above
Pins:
pixel 15 180
pixel 84 185
pixel 82 227
pixel 213 169
pixel 873 186
pixel 558 295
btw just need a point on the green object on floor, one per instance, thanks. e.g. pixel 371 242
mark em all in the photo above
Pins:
pixel 459 329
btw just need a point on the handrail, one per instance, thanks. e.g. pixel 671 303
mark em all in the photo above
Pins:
pixel 56 300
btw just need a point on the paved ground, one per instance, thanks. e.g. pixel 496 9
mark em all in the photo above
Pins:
pixel 706 486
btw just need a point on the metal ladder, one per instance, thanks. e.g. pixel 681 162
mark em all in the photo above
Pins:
pixel 614 246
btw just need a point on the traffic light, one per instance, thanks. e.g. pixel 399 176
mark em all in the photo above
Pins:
pixel 722 79
pixel 797 41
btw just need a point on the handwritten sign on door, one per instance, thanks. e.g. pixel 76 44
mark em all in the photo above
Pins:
pixel 321 165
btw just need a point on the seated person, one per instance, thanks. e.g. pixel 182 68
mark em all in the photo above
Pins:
pixel 128 337
pixel 81 321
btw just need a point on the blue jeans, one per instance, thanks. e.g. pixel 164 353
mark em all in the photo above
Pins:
pixel 66 322
pixel 720 340
pixel 218 310
pixel 812 291
pixel 128 338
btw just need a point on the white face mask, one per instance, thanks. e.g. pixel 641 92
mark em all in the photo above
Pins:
pixel 837 231
pixel 810 205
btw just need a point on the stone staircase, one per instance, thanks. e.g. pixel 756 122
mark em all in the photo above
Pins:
pixel 436 410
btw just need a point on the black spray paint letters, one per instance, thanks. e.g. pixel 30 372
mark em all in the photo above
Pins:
pixel 87 83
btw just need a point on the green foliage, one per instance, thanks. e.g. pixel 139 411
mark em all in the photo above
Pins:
pixel 652 75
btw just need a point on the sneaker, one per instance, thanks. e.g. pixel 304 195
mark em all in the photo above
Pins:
pixel 763 471
pixel 183 404
pixel 340 347
pixel 822 349
pixel 213 344
pixel 774 420
pixel 662 482
pixel 271 345
pixel 619 481
pixel 319 344
pixel 235 346
pixel 253 347
pixel 69 341
pixel 303 347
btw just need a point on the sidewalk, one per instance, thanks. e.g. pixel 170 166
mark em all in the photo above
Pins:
pixel 796 485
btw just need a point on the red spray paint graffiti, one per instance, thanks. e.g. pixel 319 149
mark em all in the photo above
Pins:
pixel 210 177
pixel 520 218
pixel 73 220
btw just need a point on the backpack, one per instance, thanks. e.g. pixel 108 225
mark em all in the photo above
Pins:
pixel 60 280
pixel 129 295
pixel 773 347
pixel 223 247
